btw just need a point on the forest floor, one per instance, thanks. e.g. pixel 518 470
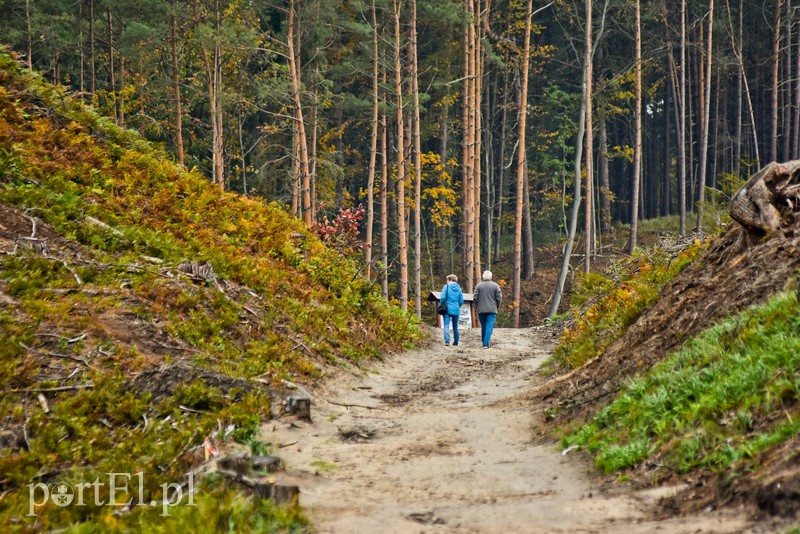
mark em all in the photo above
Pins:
pixel 442 439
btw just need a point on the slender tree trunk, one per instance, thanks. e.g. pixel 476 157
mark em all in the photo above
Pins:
pixel 637 130
pixel 92 64
pixel 776 52
pixel 667 159
pixel 294 67
pixel 384 203
pixel 522 163
pixel 605 182
pixel 176 86
pixel 501 171
pixel 29 36
pixel 682 126
pixel 737 163
pixel 401 163
pixel 111 74
pixel 373 144
pixel 701 182
pixel 296 185
pixel 417 165
pixel 218 141
pixel 587 261
pixel 121 93
pixel 786 92
pixel 478 126
pixel 81 51
pixel 796 137
pixel 527 230
pixel 576 204
pixel 468 172
pixel 444 134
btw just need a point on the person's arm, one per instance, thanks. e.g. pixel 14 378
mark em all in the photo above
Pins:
pixel 498 295
pixel 443 297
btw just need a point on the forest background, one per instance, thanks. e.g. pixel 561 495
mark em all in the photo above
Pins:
pixel 455 136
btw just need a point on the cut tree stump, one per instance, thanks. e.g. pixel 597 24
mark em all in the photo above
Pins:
pixel 760 204
pixel 299 406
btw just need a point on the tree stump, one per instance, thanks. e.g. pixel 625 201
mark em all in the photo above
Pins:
pixel 761 203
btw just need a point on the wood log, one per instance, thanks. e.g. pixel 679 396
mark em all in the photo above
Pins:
pixel 761 203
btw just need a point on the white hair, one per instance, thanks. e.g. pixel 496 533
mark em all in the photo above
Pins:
pixel 487 275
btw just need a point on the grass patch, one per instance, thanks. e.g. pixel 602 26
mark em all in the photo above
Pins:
pixel 731 393
pixel 605 305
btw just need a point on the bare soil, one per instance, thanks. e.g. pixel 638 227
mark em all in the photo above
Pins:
pixel 442 440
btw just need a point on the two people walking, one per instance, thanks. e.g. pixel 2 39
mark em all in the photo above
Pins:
pixel 487 297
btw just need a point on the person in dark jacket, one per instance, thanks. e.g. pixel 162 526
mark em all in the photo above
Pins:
pixel 453 297
pixel 487 298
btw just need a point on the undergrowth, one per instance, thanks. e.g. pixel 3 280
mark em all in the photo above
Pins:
pixel 729 394
pixel 109 300
pixel 607 304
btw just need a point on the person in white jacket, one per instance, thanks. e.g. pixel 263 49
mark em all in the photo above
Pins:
pixel 487 299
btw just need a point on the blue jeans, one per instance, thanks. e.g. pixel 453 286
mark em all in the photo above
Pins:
pixel 446 319
pixel 487 326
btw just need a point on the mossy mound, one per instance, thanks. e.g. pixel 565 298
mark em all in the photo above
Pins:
pixel 114 262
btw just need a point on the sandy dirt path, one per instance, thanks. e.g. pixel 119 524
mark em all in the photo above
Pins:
pixel 440 440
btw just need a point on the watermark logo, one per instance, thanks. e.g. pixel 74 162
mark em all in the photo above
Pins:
pixel 118 493
pixel 61 494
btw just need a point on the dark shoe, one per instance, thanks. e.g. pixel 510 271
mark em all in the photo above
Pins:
pixel 446 343
pixel 455 344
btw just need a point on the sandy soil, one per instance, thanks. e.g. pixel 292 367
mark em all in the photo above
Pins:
pixel 440 440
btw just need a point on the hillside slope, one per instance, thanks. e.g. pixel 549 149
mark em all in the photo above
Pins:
pixel 704 384
pixel 117 264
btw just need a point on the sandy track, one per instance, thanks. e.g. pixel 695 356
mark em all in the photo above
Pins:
pixel 440 440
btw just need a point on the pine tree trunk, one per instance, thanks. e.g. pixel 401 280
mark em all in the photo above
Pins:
pixel 682 126
pixel 29 36
pixel 401 163
pixel 384 203
pixel 417 165
pixel 501 171
pixel 467 186
pixel 111 74
pixel 522 163
pixel 737 158
pixel 776 50
pixel 786 92
pixel 637 130
pixel 92 59
pixel 373 145
pixel 294 68
pixel 701 182
pixel 527 230
pixel 796 131
pixel 176 87
pixel 588 230
pixel 476 153
pixel 604 178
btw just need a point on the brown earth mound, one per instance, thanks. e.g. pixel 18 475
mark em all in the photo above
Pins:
pixel 744 266
pixel 753 259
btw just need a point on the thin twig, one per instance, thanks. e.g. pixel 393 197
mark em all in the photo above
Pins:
pixel 49 390
pixel 55 355
pixel 355 405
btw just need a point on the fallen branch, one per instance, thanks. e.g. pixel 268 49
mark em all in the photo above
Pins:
pixel 55 355
pixel 355 405
pixel 49 390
